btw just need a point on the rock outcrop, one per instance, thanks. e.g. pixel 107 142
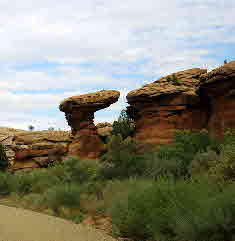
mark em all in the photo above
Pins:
pixel 217 90
pixel 190 99
pixel 79 113
pixel 6 138
pixel 34 149
pixel 167 104
pixel 104 129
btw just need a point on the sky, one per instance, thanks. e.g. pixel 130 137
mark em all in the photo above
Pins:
pixel 51 50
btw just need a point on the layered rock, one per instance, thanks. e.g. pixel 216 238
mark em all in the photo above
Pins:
pixel 104 129
pixel 6 138
pixel 79 113
pixel 217 89
pixel 167 104
pixel 26 149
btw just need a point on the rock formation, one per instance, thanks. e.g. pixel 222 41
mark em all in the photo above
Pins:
pixel 79 113
pixel 167 104
pixel 104 129
pixel 6 138
pixel 26 149
pixel 190 99
pixel 217 90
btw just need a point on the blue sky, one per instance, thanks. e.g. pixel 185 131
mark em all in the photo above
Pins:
pixel 54 49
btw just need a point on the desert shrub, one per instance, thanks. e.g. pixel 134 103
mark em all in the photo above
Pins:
pixel 165 210
pixel 58 170
pixel 21 183
pixel 116 190
pixel 35 181
pixel 203 162
pixel 42 180
pixel 122 159
pixel 156 167
pixel 229 137
pixel 82 171
pixel 186 145
pixel 224 170
pixel 4 163
pixel 67 195
pixel 123 126
pixel 5 183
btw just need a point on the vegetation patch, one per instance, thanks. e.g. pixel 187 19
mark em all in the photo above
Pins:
pixel 183 191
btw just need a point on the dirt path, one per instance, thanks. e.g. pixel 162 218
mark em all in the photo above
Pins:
pixel 18 224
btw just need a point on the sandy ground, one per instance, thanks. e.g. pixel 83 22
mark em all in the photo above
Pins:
pixel 18 224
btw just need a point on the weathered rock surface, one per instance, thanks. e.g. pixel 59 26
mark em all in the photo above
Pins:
pixel 190 99
pixel 6 138
pixel 79 113
pixel 26 149
pixel 167 104
pixel 104 129
pixel 217 89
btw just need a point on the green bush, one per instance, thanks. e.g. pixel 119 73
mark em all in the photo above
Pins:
pixel 224 170
pixel 122 159
pixel 186 145
pixel 115 200
pixel 82 171
pixel 169 211
pixel 66 195
pixel 35 181
pixel 4 163
pixel 22 183
pixel 43 179
pixel 124 126
pixel 156 167
pixel 5 183
pixel 203 162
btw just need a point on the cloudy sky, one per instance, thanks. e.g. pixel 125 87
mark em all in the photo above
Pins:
pixel 53 49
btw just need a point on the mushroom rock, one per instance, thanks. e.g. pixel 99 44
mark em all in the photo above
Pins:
pixel 79 113
pixel 217 88
pixel 165 105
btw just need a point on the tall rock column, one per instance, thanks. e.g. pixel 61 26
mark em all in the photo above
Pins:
pixel 218 89
pixel 79 113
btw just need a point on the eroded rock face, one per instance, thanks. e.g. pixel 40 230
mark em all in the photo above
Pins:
pixel 217 88
pixel 34 149
pixel 104 129
pixel 79 113
pixel 6 138
pixel 167 104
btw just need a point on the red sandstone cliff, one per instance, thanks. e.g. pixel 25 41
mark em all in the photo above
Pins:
pixel 190 99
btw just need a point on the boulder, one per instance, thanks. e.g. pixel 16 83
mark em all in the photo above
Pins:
pixel 79 113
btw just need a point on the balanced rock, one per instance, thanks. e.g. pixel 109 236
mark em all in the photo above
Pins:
pixel 165 105
pixel 217 90
pixel 79 113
